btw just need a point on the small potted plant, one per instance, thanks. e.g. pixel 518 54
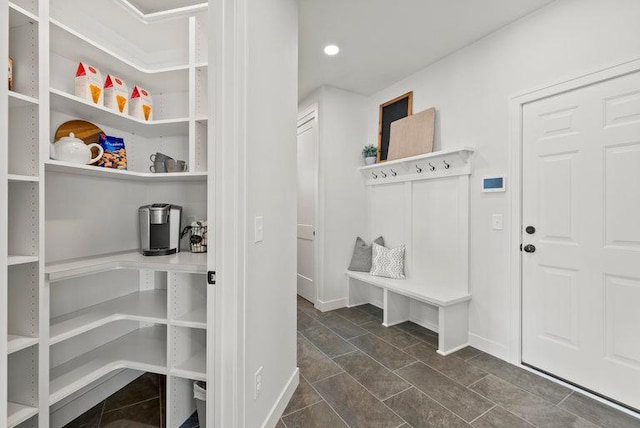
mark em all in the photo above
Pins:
pixel 370 153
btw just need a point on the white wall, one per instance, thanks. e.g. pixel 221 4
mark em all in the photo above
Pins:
pixel 471 90
pixel 270 192
pixel 341 189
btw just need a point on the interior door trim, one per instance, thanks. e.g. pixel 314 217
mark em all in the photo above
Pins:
pixel 516 104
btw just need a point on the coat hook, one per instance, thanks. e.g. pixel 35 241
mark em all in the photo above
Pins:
pixel 431 167
pixel 446 165
pixel 393 173
pixel 418 169
pixel 384 174
pixel 374 175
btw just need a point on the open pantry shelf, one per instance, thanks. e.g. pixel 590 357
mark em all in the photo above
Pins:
pixel 69 43
pixel 143 349
pixel 14 260
pixel 18 343
pixel 197 318
pixel 108 173
pixel 194 368
pixel 75 106
pixel 144 306
pixel 180 262
pixel 19 413
pixel 17 99
pixel 19 16
pixel 15 178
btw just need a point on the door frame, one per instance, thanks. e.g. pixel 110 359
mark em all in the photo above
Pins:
pixel 306 115
pixel 516 104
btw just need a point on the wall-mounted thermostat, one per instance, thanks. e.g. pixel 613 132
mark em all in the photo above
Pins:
pixel 493 184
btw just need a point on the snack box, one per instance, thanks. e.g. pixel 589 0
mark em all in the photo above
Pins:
pixel 141 104
pixel 89 84
pixel 10 74
pixel 116 95
pixel 115 153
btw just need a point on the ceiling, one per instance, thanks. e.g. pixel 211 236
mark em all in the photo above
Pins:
pixel 383 41
pixel 153 6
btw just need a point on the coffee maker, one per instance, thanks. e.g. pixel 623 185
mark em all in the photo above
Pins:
pixel 160 229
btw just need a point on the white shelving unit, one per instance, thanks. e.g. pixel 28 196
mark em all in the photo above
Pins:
pixel 79 302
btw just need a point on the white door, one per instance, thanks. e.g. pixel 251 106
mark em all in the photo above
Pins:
pixel 307 185
pixel 581 192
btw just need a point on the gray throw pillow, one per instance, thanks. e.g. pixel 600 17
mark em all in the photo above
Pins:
pixel 361 259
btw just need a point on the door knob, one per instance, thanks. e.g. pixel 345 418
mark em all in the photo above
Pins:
pixel 529 248
pixel 530 230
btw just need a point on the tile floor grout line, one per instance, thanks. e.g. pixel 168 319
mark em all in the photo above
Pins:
pixel 563 400
pixel 130 405
pixel 483 377
pixel 398 393
pixel 328 404
pixel 448 377
pixel 302 408
pixel 380 362
pixel 490 409
pixel 328 377
pixel 104 403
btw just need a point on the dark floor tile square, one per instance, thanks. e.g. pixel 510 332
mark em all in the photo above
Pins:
pixel 500 418
pixel 379 380
pixel 305 321
pixel 355 316
pixel 372 310
pixel 344 328
pixel 313 364
pixel 304 396
pixel 327 341
pixel 308 308
pixel 464 403
pixel 141 389
pixel 192 422
pixel 319 415
pixel 420 332
pixel 89 419
pixel 141 415
pixel 467 353
pixel 453 367
pixel 421 411
pixel 521 378
pixel 393 335
pixel 355 405
pixel 381 351
pixel 598 413
pixel 527 406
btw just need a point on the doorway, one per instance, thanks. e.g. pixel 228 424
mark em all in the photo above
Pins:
pixel 580 265
pixel 307 203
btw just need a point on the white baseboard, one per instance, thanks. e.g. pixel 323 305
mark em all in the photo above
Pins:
pixel 330 305
pixel 490 347
pixel 283 400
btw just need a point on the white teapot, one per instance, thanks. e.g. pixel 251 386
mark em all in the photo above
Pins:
pixel 73 150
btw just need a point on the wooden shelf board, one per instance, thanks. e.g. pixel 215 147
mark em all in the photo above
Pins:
pixel 143 349
pixel 21 260
pixel 17 99
pixel 19 413
pixel 18 343
pixel 70 44
pixel 183 261
pixel 15 178
pixel 19 16
pixel 194 368
pixel 197 318
pixel 108 173
pixel 145 306
pixel 75 106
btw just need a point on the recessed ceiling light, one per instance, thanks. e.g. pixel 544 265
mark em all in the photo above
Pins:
pixel 331 50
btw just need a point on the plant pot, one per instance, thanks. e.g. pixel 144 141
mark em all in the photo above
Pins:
pixel 370 160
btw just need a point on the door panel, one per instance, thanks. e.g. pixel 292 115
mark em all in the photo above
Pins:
pixel 581 190
pixel 307 184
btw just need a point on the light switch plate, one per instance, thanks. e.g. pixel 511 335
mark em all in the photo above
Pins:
pixel 258 229
pixel 497 222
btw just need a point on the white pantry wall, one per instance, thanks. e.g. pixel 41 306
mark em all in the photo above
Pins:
pixel 471 90
pixel 342 196
pixel 271 40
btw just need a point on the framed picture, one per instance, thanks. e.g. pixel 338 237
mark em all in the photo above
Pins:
pixel 391 111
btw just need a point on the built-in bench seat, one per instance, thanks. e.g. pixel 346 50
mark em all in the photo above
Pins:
pixel 453 306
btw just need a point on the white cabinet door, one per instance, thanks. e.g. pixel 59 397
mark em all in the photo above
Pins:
pixel 581 192
pixel 307 184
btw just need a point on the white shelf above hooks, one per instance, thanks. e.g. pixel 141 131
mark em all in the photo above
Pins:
pixel 445 163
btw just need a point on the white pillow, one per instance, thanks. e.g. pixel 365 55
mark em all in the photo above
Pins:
pixel 387 262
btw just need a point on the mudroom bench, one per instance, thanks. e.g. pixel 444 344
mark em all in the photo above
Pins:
pixel 452 305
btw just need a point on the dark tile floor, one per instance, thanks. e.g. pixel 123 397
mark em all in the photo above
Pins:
pixel 356 373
